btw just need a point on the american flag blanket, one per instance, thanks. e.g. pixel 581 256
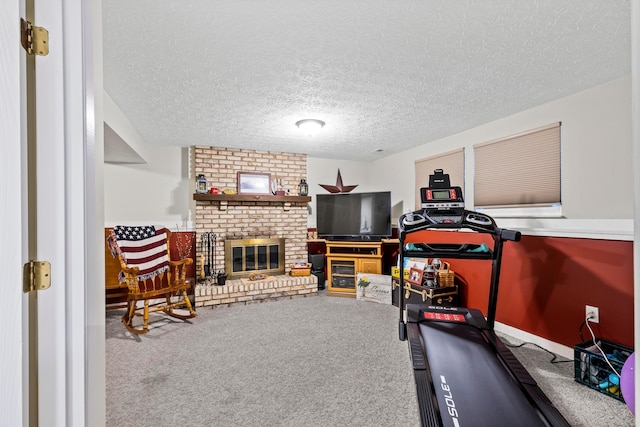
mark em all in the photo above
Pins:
pixel 143 247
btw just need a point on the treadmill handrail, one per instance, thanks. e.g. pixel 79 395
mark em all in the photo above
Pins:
pixel 499 235
pixel 421 220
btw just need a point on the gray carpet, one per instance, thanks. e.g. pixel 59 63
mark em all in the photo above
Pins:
pixel 314 361
pixel 580 405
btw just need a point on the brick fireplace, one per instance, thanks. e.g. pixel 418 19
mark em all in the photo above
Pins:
pixel 236 217
pixel 244 257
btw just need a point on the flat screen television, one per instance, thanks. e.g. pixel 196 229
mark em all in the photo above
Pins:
pixel 354 216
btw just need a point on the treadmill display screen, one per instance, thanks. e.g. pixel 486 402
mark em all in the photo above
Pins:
pixel 440 194
pixel 448 317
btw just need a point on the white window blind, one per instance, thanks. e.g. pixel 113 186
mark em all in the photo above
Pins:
pixel 520 170
pixel 451 163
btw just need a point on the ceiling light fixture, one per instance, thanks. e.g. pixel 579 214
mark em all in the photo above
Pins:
pixel 310 126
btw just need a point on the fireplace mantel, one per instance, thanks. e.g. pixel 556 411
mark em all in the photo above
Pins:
pixel 224 199
pixel 250 198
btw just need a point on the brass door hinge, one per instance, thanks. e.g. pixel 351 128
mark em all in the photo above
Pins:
pixel 35 40
pixel 36 276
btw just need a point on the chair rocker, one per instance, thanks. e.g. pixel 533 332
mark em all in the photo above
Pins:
pixel 151 277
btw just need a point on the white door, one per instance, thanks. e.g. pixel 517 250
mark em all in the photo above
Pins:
pixel 46 215
pixel 10 221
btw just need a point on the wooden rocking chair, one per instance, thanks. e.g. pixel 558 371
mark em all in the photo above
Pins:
pixel 149 274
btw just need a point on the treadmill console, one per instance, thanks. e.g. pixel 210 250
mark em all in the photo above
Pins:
pixel 441 198
pixel 442 206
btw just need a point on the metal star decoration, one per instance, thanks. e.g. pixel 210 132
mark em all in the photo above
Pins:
pixel 339 187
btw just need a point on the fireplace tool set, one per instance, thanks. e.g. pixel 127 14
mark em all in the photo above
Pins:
pixel 208 259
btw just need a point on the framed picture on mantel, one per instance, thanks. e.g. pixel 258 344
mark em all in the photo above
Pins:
pixel 254 183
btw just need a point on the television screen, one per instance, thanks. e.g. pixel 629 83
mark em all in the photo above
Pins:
pixel 363 216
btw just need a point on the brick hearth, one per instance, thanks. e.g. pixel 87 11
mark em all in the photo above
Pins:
pixel 237 292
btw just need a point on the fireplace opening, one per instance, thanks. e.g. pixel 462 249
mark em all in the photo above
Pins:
pixel 247 256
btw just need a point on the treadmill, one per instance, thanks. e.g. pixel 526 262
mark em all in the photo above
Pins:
pixel 464 373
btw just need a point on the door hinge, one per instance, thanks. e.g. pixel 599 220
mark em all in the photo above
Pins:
pixel 35 40
pixel 36 276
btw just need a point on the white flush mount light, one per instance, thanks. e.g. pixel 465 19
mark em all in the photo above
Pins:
pixel 310 126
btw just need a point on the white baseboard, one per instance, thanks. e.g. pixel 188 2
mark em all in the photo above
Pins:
pixel 554 347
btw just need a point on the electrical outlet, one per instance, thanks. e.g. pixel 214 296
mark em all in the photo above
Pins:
pixel 592 314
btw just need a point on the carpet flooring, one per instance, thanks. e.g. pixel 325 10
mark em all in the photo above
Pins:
pixel 306 361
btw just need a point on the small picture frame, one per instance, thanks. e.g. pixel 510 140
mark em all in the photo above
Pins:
pixel 312 233
pixel 254 183
pixel 415 276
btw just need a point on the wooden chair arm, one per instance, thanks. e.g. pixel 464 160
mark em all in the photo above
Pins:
pixel 130 271
pixel 178 271
pixel 184 261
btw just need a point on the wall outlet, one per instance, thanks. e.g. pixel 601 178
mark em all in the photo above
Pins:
pixel 592 313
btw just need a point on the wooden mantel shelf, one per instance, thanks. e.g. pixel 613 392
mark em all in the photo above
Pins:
pixel 250 198
pixel 224 199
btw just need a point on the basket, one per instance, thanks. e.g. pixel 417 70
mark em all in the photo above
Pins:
pixel 592 370
pixel 300 271
pixel 445 277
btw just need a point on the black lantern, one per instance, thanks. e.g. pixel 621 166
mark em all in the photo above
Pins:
pixel 201 184
pixel 304 187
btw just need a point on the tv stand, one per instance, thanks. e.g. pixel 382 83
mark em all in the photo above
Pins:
pixel 370 238
pixel 345 260
pixel 359 238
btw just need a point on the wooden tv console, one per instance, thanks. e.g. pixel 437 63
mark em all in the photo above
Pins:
pixel 345 260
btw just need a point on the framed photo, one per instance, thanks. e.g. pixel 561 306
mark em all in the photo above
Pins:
pixel 312 233
pixel 420 263
pixel 254 183
pixel 415 276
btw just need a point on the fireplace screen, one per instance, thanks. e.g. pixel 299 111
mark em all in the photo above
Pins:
pixel 247 256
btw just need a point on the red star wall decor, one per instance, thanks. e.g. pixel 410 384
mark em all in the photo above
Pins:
pixel 339 187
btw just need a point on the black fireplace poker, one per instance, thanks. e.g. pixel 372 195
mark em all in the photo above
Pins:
pixel 208 246
pixel 212 252
pixel 204 247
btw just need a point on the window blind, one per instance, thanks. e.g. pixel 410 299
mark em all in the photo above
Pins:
pixel 520 170
pixel 451 163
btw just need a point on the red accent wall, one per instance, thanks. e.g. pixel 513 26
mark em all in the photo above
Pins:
pixel 546 282
pixel 187 239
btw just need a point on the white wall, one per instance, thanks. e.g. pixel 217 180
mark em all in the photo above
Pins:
pixel 597 173
pixel 159 192
pixel 115 119
pixel 596 161
pixel 325 171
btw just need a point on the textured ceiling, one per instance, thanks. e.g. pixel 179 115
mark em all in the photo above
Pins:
pixel 383 74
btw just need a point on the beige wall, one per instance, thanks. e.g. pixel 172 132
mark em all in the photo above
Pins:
pixel 325 171
pixel 158 192
pixel 596 151
pixel 596 160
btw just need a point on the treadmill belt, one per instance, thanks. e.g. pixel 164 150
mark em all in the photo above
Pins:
pixel 472 386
